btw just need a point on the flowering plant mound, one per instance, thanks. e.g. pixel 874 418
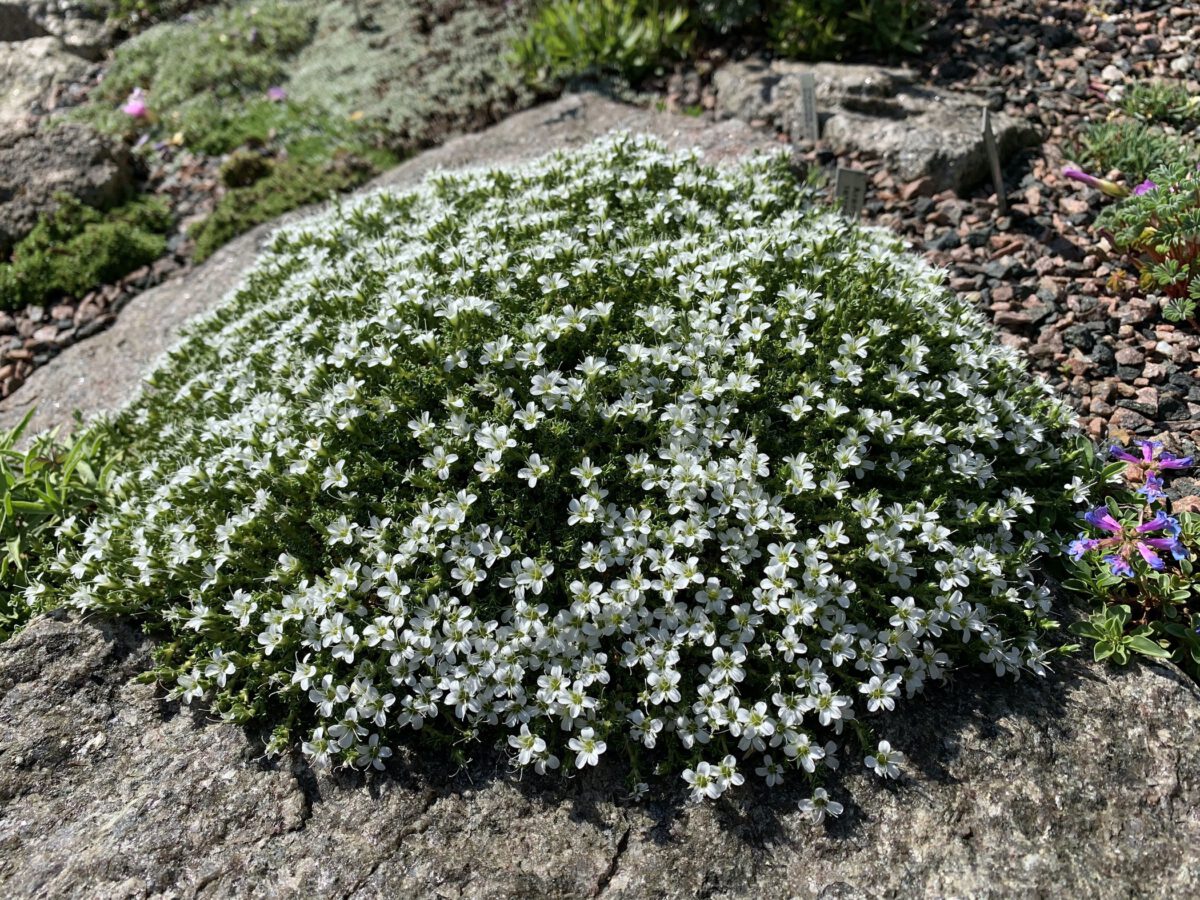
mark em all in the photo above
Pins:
pixel 610 453
pixel 1136 559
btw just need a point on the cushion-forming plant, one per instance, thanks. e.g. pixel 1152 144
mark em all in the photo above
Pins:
pixel 613 452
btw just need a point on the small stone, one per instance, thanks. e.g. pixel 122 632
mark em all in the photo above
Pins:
pixel 1014 319
pixel 1155 371
pixel 1129 420
pixel 45 335
pixel 1130 356
pixel 921 187
pixel 1137 310
pixel 1112 75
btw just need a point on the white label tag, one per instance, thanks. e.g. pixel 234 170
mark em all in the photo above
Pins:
pixel 850 188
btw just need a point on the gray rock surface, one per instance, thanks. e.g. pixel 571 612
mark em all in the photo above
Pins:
pixel 920 131
pixel 1083 785
pixel 103 372
pixel 78 24
pixel 30 71
pixel 38 163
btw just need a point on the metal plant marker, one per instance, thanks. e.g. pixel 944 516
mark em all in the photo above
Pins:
pixel 850 188
pixel 810 122
pixel 989 142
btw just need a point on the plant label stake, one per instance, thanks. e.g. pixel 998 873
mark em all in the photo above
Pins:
pixel 850 188
pixel 810 123
pixel 993 154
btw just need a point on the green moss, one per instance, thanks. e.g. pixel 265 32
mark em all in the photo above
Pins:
pixel 290 184
pixel 76 249
pixel 405 76
pixel 132 16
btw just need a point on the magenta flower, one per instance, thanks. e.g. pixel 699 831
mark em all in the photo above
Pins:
pixel 1144 188
pixel 1124 541
pixel 135 105
pixel 276 94
pixel 1111 188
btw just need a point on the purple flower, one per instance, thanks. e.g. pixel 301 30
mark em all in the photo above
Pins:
pixel 1119 565
pixel 1152 490
pixel 1111 188
pixel 1100 517
pixel 1144 188
pixel 1123 541
pixel 276 94
pixel 1152 460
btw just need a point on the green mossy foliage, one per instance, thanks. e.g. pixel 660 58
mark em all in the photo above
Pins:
pixel 833 29
pixel 283 187
pixel 77 248
pixel 244 422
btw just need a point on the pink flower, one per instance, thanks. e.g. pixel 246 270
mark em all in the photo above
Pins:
pixel 276 94
pixel 1111 188
pixel 1144 188
pixel 135 106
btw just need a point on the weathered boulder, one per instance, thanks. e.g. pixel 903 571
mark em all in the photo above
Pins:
pixel 1085 784
pixel 78 24
pixel 920 131
pixel 38 163
pixel 30 71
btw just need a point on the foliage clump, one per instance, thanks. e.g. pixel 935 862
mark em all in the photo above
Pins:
pixel 629 38
pixel 1169 102
pixel 278 188
pixel 832 29
pixel 200 76
pixel 1158 227
pixel 613 452
pixel 1135 561
pixel 46 487
pixel 76 248
pixel 567 38
pixel 1131 147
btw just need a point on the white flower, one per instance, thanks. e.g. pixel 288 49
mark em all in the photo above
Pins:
pixel 885 762
pixel 587 748
pixel 820 805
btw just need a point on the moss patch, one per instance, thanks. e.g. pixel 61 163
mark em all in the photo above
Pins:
pixel 417 70
pixel 283 186
pixel 76 248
